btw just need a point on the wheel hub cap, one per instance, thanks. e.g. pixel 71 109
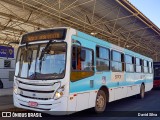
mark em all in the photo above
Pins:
pixel 100 101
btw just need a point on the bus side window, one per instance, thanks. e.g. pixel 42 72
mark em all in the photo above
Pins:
pixel 150 67
pixel 129 63
pixel 102 58
pixel 82 63
pixel 145 66
pixel 123 63
pixel 138 65
pixel 76 59
pixel 142 64
pixel 117 63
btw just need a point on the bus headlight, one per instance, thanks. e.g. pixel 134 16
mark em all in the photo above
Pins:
pixel 16 90
pixel 59 93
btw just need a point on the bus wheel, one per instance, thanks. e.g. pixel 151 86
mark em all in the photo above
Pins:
pixel 142 92
pixel 100 105
pixel 1 84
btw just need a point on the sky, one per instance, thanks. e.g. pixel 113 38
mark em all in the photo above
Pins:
pixel 150 8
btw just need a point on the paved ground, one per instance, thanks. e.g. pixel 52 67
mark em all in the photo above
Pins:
pixel 4 92
pixel 116 110
pixel 6 102
pixel 6 98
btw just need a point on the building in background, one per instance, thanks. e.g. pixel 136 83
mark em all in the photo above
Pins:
pixel 7 66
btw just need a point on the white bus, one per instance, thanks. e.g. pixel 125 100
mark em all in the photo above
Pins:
pixel 7 66
pixel 63 69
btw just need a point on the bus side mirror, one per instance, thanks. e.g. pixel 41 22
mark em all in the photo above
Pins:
pixel 83 55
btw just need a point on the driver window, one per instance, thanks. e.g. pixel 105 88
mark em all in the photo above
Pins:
pixel 82 63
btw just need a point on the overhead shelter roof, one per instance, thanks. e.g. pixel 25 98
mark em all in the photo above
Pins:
pixel 116 21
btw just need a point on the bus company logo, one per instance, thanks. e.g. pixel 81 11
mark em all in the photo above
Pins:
pixel 34 94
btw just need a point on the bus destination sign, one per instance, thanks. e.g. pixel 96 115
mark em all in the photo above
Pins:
pixel 55 34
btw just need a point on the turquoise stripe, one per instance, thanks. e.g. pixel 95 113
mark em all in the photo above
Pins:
pixel 83 85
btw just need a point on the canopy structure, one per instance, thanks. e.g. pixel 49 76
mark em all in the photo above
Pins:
pixel 116 21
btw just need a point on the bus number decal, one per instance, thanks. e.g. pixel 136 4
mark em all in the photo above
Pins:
pixel 117 77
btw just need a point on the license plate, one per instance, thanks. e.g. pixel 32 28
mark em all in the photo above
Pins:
pixel 32 104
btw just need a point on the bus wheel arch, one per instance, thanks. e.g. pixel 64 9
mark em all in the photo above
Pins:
pixel 102 99
pixel 142 91
pixel 106 90
pixel 1 84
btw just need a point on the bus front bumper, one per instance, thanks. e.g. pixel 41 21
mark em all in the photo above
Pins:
pixel 51 106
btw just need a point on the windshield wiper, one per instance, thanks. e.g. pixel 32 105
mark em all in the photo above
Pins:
pixel 44 50
pixel 30 56
pixel 42 54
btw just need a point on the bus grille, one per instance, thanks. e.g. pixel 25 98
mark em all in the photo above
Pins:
pixel 35 97
pixel 37 91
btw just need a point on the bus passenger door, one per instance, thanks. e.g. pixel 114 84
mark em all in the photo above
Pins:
pixel 82 76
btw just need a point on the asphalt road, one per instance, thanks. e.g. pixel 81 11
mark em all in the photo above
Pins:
pixel 6 102
pixel 124 109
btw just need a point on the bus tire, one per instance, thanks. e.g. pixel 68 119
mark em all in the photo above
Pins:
pixel 1 84
pixel 142 91
pixel 101 101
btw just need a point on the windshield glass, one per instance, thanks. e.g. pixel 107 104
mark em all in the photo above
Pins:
pixel 41 62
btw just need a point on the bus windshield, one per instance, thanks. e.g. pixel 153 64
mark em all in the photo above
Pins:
pixel 41 62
